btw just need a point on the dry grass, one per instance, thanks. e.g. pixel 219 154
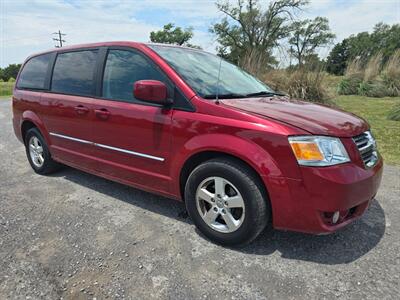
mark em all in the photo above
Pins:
pixel 253 61
pixel 391 74
pixel 373 68
pixel 300 84
pixel 372 81
pixel 355 69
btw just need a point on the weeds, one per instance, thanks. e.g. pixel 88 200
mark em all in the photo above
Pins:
pixel 300 83
pixel 394 113
pixel 373 80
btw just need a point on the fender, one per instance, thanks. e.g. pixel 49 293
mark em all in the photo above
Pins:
pixel 29 115
pixel 255 156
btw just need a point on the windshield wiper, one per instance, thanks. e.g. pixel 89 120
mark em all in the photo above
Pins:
pixel 224 96
pixel 233 95
pixel 265 93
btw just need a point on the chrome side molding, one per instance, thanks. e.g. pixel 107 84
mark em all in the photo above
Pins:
pixel 107 147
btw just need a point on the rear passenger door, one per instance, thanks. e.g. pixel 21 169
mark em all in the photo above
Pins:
pixel 68 113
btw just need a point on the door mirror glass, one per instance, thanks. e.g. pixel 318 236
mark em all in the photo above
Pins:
pixel 151 91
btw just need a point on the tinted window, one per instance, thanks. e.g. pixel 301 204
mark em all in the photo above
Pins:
pixel 33 74
pixel 122 69
pixel 74 73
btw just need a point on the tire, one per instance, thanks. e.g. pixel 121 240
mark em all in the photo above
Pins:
pixel 39 156
pixel 212 215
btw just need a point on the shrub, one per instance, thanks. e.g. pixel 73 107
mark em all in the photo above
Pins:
pixel 372 89
pixel 299 83
pixel 11 79
pixel 350 84
pixel 308 86
pixel 363 88
pixel 277 80
pixel 372 81
pixel 394 113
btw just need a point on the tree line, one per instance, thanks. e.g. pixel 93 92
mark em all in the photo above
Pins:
pixel 9 73
pixel 384 40
pixel 251 36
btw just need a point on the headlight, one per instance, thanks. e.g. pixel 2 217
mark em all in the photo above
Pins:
pixel 318 150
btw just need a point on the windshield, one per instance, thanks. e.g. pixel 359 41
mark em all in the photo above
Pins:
pixel 200 70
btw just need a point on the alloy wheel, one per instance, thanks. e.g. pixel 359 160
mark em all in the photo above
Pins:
pixel 36 151
pixel 220 204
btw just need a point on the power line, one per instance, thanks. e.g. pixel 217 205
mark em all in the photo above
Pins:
pixel 59 39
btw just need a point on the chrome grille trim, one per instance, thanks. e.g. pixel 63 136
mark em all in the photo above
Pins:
pixel 366 146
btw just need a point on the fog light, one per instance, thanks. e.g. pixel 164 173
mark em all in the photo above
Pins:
pixel 335 217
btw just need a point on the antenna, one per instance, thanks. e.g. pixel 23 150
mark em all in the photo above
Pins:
pixel 219 73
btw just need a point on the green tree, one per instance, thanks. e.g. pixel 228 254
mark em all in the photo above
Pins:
pixel 313 62
pixel 384 39
pixel 11 71
pixel 248 34
pixel 336 62
pixel 307 36
pixel 171 34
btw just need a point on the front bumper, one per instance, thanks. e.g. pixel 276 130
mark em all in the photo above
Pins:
pixel 307 205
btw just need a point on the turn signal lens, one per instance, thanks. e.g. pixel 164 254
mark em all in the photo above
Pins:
pixel 306 151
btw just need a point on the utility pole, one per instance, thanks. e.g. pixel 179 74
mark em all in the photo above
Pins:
pixel 59 39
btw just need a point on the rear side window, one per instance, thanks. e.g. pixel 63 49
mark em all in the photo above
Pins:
pixel 74 73
pixel 33 75
pixel 122 69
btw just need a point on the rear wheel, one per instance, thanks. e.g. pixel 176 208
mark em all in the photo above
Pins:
pixel 38 153
pixel 226 202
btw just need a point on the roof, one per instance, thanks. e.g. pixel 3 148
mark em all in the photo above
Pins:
pixel 112 43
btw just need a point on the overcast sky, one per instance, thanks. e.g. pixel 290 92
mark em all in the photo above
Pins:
pixel 27 26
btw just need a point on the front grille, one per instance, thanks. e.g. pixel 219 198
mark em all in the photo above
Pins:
pixel 366 145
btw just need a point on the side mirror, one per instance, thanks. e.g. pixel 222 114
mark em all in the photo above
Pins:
pixel 152 91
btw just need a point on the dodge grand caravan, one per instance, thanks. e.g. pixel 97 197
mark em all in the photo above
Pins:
pixel 187 125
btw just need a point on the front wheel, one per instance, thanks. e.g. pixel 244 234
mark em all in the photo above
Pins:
pixel 227 202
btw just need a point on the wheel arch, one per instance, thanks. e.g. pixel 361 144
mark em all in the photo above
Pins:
pixel 31 120
pixel 200 157
pixel 26 125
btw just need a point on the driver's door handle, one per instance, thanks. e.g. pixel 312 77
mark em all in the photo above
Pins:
pixel 102 113
pixel 81 110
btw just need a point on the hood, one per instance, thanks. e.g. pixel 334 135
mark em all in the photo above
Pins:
pixel 314 118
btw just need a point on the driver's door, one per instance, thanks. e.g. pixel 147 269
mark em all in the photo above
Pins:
pixel 132 137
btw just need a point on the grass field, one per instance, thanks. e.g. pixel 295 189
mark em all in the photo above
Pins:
pixel 6 88
pixel 375 110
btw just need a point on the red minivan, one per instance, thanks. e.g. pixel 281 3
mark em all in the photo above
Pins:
pixel 188 125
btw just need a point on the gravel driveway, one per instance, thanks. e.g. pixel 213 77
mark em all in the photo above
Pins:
pixel 76 236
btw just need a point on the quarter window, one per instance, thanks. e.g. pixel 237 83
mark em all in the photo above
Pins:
pixel 74 73
pixel 33 75
pixel 123 68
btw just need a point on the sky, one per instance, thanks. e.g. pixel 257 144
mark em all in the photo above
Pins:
pixel 26 26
